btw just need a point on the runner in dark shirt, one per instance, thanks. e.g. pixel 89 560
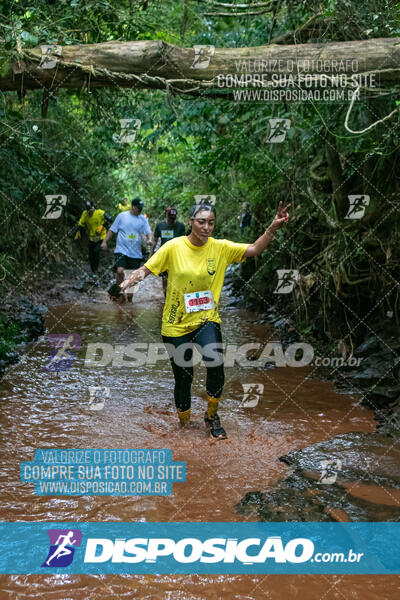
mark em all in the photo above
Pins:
pixel 245 218
pixel 167 230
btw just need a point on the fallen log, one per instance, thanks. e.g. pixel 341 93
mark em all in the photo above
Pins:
pixel 159 65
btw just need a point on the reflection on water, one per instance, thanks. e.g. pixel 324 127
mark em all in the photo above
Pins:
pixel 42 409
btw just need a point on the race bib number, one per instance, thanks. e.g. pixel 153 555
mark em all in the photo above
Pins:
pixel 199 301
pixel 167 234
pixel 132 237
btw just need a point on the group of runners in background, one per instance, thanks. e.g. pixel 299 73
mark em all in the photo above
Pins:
pixel 192 265
pixel 131 228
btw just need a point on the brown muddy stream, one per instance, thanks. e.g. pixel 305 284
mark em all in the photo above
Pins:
pixel 41 409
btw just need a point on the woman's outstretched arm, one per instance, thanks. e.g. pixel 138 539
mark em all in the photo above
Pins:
pixel 135 277
pixel 280 219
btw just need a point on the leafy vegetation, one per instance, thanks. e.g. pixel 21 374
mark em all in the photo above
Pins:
pixel 8 333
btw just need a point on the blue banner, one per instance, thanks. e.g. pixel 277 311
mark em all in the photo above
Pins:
pixel 208 548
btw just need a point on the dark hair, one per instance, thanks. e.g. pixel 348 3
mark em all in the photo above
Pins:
pixel 195 209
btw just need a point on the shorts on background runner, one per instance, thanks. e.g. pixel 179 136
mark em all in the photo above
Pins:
pixel 126 262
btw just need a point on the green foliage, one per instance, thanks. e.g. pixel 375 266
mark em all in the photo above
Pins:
pixel 8 334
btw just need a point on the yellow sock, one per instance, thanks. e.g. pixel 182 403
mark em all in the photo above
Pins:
pixel 184 417
pixel 212 406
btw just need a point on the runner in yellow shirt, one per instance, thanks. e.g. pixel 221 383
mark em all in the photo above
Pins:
pixel 93 220
pixel 196 266
pixel 124 205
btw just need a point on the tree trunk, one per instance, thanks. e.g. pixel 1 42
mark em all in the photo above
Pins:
pixel 158 65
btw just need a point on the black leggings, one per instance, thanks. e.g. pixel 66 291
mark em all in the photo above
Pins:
pixel 208 333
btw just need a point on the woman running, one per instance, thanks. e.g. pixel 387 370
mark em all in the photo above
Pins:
pixel 196 266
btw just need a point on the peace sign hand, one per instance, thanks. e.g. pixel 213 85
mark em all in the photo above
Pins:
pixel 281 217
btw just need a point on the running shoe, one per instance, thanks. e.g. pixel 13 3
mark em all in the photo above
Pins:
pixel 217 432
pixel 114 291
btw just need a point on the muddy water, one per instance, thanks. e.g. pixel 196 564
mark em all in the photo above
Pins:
pixel 50 410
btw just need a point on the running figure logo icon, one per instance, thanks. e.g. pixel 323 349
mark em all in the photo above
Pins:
pixel 357 206
pixel 98 396
pixel 205 199
pixel 51 55
pixel 129 129
pixel 286 280
pixel 202 56
pixel 62 354
pixel 278 130
pixel 55 205
pixel 330 470
pixel 62 547
pixel 251 394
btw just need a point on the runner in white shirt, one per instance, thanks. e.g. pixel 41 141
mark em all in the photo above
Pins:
pixel 129 227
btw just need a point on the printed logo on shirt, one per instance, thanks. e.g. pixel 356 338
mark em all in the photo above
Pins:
pixel 211 266
pixel 132 236
pixel 172 314
pixel 174 307
pixel 167 234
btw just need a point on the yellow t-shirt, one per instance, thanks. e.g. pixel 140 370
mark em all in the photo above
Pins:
pixel 94 224
pixel 192 269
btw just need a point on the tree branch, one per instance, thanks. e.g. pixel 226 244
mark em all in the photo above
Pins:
pixel 239 14
pixel 236 6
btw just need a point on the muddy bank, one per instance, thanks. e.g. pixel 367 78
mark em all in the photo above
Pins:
pixel 22 321
pixel 350 477
pixel 375 346
pixel 22 316
pixel 376 379
pixel 75 283
pixel 353 476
